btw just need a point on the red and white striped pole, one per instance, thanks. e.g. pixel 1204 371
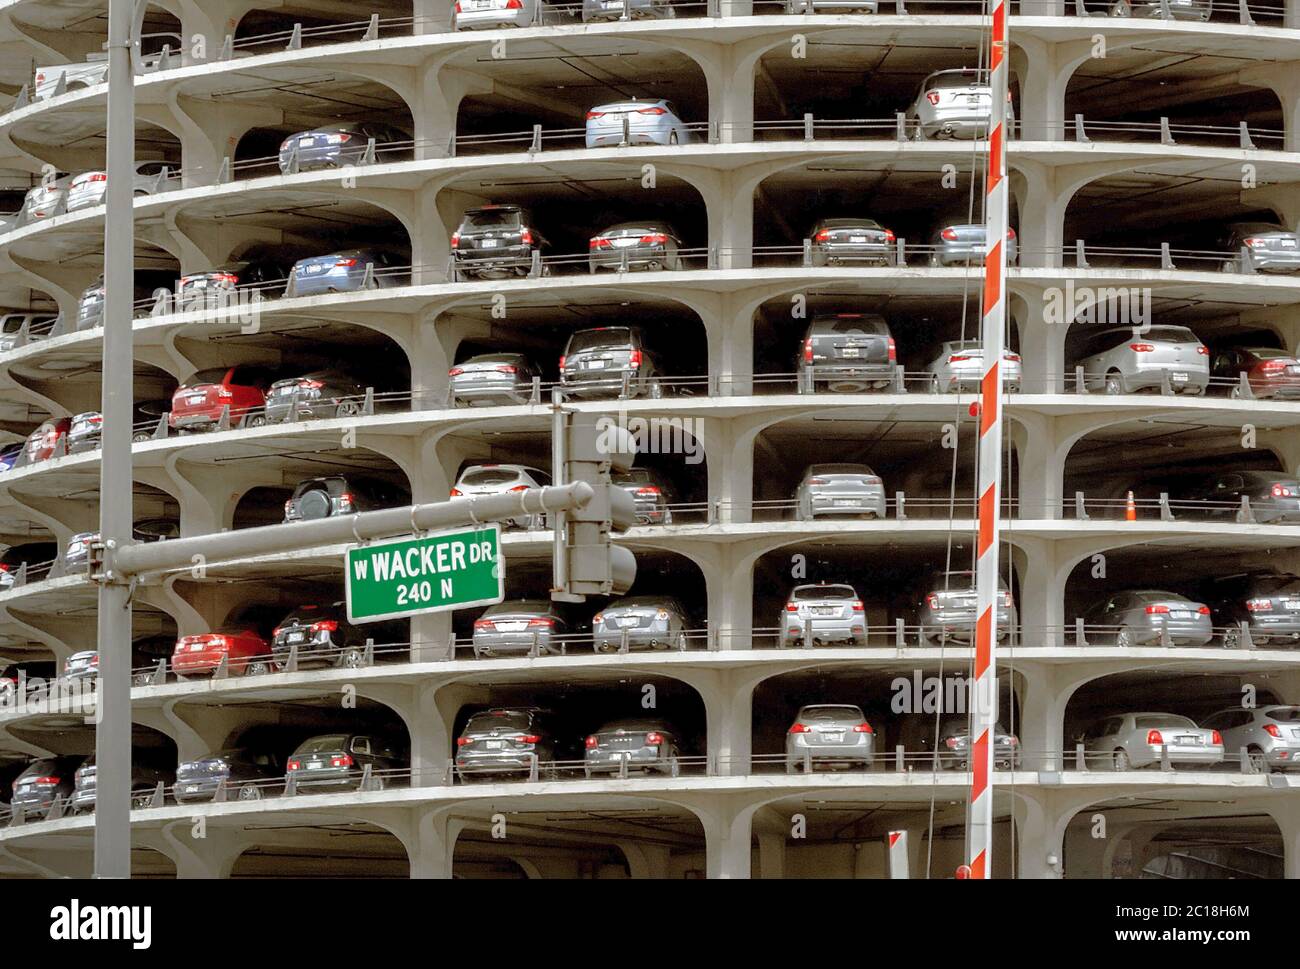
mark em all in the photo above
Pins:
pixel 984 684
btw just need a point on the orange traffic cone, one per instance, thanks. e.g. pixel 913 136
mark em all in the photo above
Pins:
pixel 1130 508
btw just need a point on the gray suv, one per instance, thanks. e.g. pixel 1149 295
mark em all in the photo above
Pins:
pixel 847 352
pixel 840 489
pixel 609 361
pixel 1270 734
pixel 1124 359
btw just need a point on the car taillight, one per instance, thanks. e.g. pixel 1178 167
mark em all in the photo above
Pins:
pixel 1216 738
pixel 592 742
pixel 340 138
pixel 634 359
pixel 823 235
pixel 807 351
pixel 1011 234
pixel 1203 611
pixel 506 368
pixel 816 481
pixel 562 362
pixel 599 243
pixel 791 607
pixel 1280 491
pixel 799 728
pixel 655 110
pixel 341 760
pixel 345 502
pixel 1270 729
pixel 1004 598
pixel 458 10
pixel 1013 357
pixel 455 371
pixel 541 622
pixel 1154 737
pixel 893 350
pixel 1141 347
pixel 530 738
pixel 526 237
pixel 97 177
pixel 45 781
pixel 94 660
pixel 932 97
pixel 960 358
pixel 519 488
pixel 310 384
pixel 455 236
pixel 1152 610
pixel 217 641
pixel 484 624
pixel 654 738
pixel 294 764
pixel 325 626
pixel 857 605
pixel 1274 365
pixel 597 619
pixel 863 727
pixel 661 615
pixel 462 741
pixel 456 493
pixel 288 506
pixel 950 234
pixel 654 239
pixel 1259 605
pixel 346 263
pixel 1202 349
pixel 595 114
pixel 889 235
pixel 1255 243
pixel 648 490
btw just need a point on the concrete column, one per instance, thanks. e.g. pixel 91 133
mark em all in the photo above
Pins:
pixel 1284 81
pixel 436 102
pixel 209 132
pixel 1042 214
pixel 428 835
pixel 212 21
pixel 1044 694
pixel 727 849
pixel 1291 13
pixel 1043 69
pixel 730 446
pixel 1041 465
pixel 1041 603
pixel 730 333
pixel 199 851
pixel 728 710
pixel 432 16
pixel 1288 823
pixel 1042 340
pixel 1041 820
pixel 646 860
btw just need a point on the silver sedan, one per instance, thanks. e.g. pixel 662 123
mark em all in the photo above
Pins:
pixel 962 244
pixel 496 479
pixel 635 123
pixel 840 489
pixel 1136 618
pixel 825 614
pixel 643 745
pixel 1195 10
pixel 834 735
pixel 492 378
pixel 960 366
pixel 647 622
pixel 1269 734
pixel 629 9
pixel 1136 740
pixel 646 245
pixel 1122 360
pixel 516 626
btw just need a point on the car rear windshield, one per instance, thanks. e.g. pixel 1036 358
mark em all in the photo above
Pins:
pixel 826 592
pixel 333 741
pixel 489 476
pixel 494 358
pixel 636 475
pixel 830 713
pixel 818 469
pixel 491 218
pixel 1279 583
pixel 865 324
pixel 1162 720
pixel 958 79
pixel 497 720
pixel 1270 354
pixel 1158 596
pixel 1171 334
pixel 612 336
pixel 214 376
pixel 848 224
pixel 1285 715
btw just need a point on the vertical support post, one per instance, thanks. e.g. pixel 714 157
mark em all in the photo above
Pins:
pixel 984 683
pixel 113 733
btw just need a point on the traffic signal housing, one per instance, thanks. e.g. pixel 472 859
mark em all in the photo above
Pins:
pixel 587 447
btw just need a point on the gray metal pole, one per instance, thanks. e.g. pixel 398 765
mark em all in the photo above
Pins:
pixel 113 734
pixel 151 557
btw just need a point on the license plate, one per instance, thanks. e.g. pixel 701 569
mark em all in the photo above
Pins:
pixel 196 398
pixel 1293 605
pixel 625 243
pixel 306 142
pixel 191 788
pixel 488 244
pixel 823 610
pixel 195 647
pixel 834 736
pixel 512 626
pixel 594 364
pixel 972 99
pixel 1178 378
pixel 845 502
pixel 1181 614
pixel 26 789
pixel 314 269
pixel 1287 243
pixel 494 744
pixel 1190 741
pixel 313 765
pixel 295 637
pixel 857 238
pixel 626 621
pixel 850 352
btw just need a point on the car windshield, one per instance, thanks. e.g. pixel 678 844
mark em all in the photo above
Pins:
pixel 489 476
pixel 848 224
pixel 1161 720
pixel 333 741
pixel 825 592
pixel 494 358
pixel 607 337
pixel 491 218
pixel 498 720
pixel 634 476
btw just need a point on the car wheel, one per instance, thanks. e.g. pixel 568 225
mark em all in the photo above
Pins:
pixel 351 659
pixel 141 799
pixel 1114 384
pixel 1124 638
pixel 1122 761
pixel 655 390
pixel 1121 9
pixel 140 438
pixel 1232 637
pixel 250 792
pixel 255 420
pixel 672 137
pixel 258 667
pixel 348 408
pixel 1236 393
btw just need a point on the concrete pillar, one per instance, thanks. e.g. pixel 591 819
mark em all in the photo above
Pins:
pixel 1042 339
pixel 730 445
pixel 200 851
pixel 1041 465
pixel 205 25
pixel 646 860
pixel 1042 214
pixel 727 848
pixel 436 103
pixel 209 132
pixel 1041 604
pixel 1044 693
pixel 1288 823
pixel 1291 13
pixel 1041 818
pixel 432 16
pixel 728 709
pixel 1284 81
pixel 1043 69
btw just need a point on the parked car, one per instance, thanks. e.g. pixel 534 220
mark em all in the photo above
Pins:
pixel 249 773
pixel 339 145
pixel 960 366
pixel 44 780
pixel 88 189
pixel 952 104
pixel 338 761
pixel 9 455
pixel 847 352
pixel 25 325
pixel 493 378
pixel 1267 602
pixel 49 440
pixel 1197 10
pixel 239 392
pixel 222 286
pixel 36 556
pixel 650 622
pixel 946 608
pixel 244 649
pixel 324 637
pixel 834 735
pixel 643 744
pixel 33 676
pixel 339 494
pixel 77 554
pixel 645 245
pixel 1274 498
pixel 349 271
pixel 149 285
pixel 85 433
pixel 629 9
pixel 839 241
pixel 507 740
pixel 1268 248
pixel 319 394
pixel 81 665
pixel 635 122
pixel 1270 734
pixel 145 778
pixel 829 614
pixel 46 200
pixel 494 14
pixel 496 479
pixel 1136 618
pixel 955 745
pixel 600 362
pixel 1120 361
pixel 1272 374
pixel 962 244
pixel 1134 740
pixel 514 627
pixel 496 241
pixel 839 489
pixel 650 491
pixel 93 70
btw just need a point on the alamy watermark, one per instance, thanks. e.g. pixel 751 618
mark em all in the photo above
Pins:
pixel 653 435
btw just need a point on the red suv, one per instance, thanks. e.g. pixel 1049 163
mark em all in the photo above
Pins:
pixel 46 441
pixel 247 653
pixel 199 401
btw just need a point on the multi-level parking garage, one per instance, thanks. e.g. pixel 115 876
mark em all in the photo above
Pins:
pixel 1139 142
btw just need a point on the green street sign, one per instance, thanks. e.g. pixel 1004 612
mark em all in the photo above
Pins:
pixel 408 576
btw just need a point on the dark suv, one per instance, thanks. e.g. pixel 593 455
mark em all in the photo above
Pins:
pixel 324 637
pixel 337 761
pixel 342 495
pixel 602 362
pixel 145 777
pixel 250 774
pixel 44 780
pixel 495 241
pixel 1274 497
pixel 506 740
pixel 1268 602
pixel 847 352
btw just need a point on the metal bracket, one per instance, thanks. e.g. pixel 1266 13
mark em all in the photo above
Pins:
pixel 227 51
pixel 807 252
pixel 1166 258
pixel 367 779
pixel 160 432
pixel 23 99
pixel 219 796
pixel 1245 141
pixel 807 117
pixel 57 808
pixel 1080 758
pixel 1247 641
pixel 291 664
pixel 1080 379
pixel 224 173
pixel 1080 255
pixel 222 671
pixel 368 654
pixel 290 783
pixel 900 633
pixel 223 422
pixel 159 796
pixel 369 156
pixel 900 126
pixel 536 144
